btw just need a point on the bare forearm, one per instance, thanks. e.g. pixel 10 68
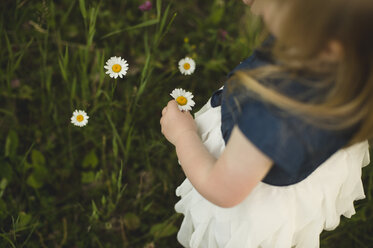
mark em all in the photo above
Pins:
pixel 195 159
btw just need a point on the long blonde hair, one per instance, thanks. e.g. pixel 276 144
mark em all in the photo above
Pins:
pixel 304 34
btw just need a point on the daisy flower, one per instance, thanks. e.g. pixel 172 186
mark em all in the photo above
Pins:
pixel 116 66
pixel 187 66
pixel 79 118
pixel 183 99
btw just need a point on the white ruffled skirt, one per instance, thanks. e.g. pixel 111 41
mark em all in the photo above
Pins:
pixel 272 216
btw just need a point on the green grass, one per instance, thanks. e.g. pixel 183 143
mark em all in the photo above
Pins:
pixel 111 183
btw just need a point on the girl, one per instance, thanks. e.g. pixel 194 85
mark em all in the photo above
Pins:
pixel 275 155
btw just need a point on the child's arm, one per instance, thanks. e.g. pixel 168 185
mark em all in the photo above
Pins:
pixel 225 181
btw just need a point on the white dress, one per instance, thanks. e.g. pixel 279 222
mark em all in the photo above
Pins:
pixel 271 216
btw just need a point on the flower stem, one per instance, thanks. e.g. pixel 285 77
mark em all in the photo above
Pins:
pixel 113 86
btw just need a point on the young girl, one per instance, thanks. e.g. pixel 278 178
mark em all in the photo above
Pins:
pixel 275 155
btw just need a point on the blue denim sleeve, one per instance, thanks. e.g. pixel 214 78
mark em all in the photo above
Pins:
pixel 276 134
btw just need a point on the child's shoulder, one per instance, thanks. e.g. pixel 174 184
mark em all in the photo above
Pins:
pixel 296 146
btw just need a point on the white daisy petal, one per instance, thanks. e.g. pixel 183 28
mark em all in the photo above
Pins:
pixel 187 66
pixel 116 66
pixel 79 118
pixel 183 99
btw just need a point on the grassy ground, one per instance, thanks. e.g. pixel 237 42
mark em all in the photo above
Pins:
pixel 111 183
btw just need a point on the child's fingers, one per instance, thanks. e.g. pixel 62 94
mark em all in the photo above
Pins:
pixel 162 127
pixel 164 110
pixel 186 112
pixel 172 103
pixel 172 106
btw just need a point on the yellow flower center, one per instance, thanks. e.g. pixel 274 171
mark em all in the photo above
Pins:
pixel 80 118
pixel 186 66
pixel 181 100
pixel 116 68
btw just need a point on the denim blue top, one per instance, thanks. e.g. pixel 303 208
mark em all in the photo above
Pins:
pixel 296 147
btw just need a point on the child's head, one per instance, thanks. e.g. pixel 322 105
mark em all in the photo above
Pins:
pixel 336 33
pixel 312 26
pixel 269 11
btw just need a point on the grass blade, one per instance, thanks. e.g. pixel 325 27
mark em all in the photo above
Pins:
pixel 141 25
pixel 83 9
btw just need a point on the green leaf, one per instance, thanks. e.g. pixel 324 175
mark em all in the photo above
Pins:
pixel 115 133
pixel 7 112
pixel 6 170
pixel 26 92
pixel 3 209
pixel 11 144
pixel 88 177
pixel 115 147
pixel 168 27
pixel 34 182
pixel 95 212
pixel 27 165
pixel 132 221
pixel 216 15
pixel 90 160
pixel 9 46
pixel 22 52
pixel 103 200
pixel 99 175
pixel 4 236
pixel 73 89
pixel 48 78
pixel 24 219
pixel 141 25
pixel 3 184
pixel 37 158
pixel 83 10
pixel 159 5
pixel 148 206
pixel 67 13
pixel 119 181
pixel 162 230
pixel 215 65
pixel 108 225
pixel 164 18
pixel 63 70
pixel 41 172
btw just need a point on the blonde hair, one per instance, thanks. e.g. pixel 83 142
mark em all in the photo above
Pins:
pixel 305 32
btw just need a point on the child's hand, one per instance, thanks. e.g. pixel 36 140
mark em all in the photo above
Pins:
pixel 174 122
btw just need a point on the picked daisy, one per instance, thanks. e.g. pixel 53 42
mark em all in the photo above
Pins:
pixel 183 99
pixel 79 118
pixel 116 66
pixel 187 66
